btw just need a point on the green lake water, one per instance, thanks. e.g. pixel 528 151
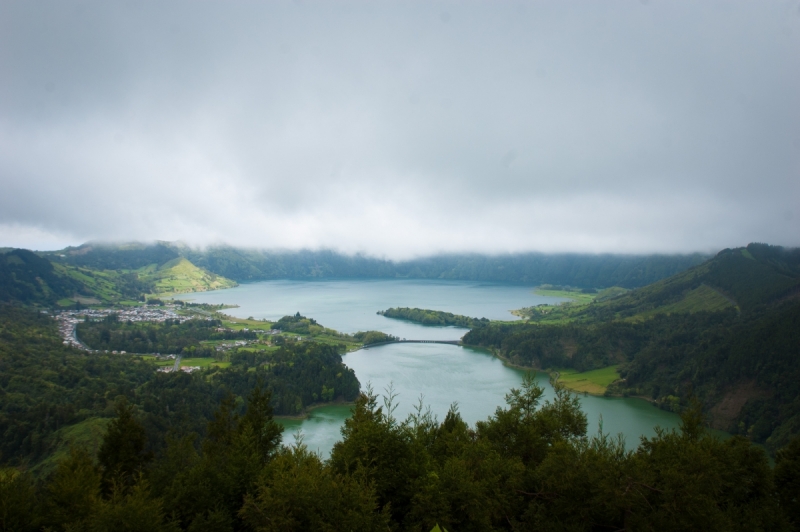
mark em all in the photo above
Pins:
pixel 441 374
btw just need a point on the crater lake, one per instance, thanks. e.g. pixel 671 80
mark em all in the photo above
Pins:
pixel 438 375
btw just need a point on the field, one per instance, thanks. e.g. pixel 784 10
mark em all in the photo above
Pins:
pixel 575 296
pixel 702 298
pixel 594 382
pixel 558 313
pixel 185 362
pixel 181 276
pixel 203 362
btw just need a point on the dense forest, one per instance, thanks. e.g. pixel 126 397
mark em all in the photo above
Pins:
pixel 433 317
pixel 585 271
pixel 726 331
pixel 28 278
pixel 52 393
pixel 168 337
pixel 530 466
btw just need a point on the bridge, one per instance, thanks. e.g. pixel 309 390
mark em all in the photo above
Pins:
pixel 449 342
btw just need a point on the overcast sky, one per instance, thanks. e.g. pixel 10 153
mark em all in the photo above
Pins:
pixel 401 128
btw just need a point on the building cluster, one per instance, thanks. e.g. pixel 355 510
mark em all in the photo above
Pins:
pixel 230 345
pixel 69 319
pixel 185 369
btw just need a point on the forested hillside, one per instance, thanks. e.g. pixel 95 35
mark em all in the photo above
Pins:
pixel 726 331
pixel 131 256
pixel 28 278
pixel 105 275
pixel 592 271
pixel 52 394
pixel 585 271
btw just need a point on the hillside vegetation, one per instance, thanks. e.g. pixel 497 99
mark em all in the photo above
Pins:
pixel 28 278
pixel 86 277
pixel 726 331
pixel 180 276
pixel 433 317
pixel 585 271
pixel 52 393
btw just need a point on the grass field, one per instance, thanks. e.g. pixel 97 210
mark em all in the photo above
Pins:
pixel 558 313
pixel 327 336
pixel 574 296
pixel 701 298
pixel 185 362
pixel 202 362
pixel 594 382
pixel 238 324
pixel 181 276
pixel 87 434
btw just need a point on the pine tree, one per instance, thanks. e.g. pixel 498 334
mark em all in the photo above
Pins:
pixel 122 454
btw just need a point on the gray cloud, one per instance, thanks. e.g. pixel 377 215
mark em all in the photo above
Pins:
pixel 402 128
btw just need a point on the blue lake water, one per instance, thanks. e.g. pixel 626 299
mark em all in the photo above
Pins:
pixel 440 374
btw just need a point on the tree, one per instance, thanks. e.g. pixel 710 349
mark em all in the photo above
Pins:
pixel 122 454
pixel 73 491
pixel 257 425
pixel 131 509
pixel 298 492
pixel 18 501
pixel 787 480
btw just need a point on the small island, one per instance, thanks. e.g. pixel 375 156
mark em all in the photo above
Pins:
pixel 433 317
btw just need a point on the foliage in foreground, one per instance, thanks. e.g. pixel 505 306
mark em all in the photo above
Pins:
pixel 530 466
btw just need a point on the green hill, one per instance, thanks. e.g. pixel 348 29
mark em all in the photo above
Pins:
pixel 566 269
pixel 181 276
pixel 27 278
pixel 744 277
pixel 101 256
pixel 94 278
pixel 726 331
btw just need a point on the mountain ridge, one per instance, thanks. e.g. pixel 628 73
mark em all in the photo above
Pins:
pixel 242 265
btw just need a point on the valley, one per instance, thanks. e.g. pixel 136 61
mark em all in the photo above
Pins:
pixel 717 341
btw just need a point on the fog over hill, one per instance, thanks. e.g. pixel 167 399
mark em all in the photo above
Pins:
pixel 241 264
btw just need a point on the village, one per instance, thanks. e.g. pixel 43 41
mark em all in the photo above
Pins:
pixel 69 319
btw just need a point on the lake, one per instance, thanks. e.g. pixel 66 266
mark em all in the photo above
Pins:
pixel 440 373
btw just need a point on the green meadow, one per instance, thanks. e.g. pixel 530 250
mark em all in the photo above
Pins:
pixel 576 296
pixel 181 276
pixel 594 382
pixel 205 362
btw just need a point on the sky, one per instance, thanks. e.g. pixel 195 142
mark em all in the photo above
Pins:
pixel 401 129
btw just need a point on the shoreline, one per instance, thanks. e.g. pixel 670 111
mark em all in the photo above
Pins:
pixel 555 373
pixel 307 410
